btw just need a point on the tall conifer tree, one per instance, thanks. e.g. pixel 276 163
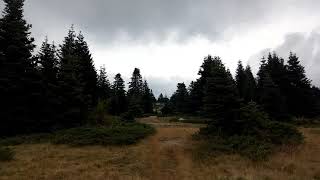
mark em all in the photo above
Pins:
pixel 250 94
pixel 104 87
pixel 148 99
pixel 241 80
pixel 51 103
pixel 299 96
pixel 75 107
pixel 19 81
pixel 118 99
pixel 180 99
pixel 135 93
pixel 86 70
pixel 221 101
pixel 269 94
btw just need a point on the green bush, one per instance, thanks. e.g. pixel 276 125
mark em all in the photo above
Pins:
pixel 127 117
pixel 246 146
pixel 26 139
pixel 281 133
pixel 254 135
pixel 100 116
pixel 124 134
pixel 117 133
pixel 6 154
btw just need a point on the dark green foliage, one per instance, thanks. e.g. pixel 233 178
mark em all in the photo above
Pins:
pixel 48 60
pixel 104 87
pixel 167 109
pixel 6 154
pixel 74 102
pixel 163 99
pixel 136 84
pixel 316 100
pixel 20 85
pixel 117 135
pixel 269 94
pixel 26 139
pixel 180 98
pixel 140 96
pixel 128 116
pixel 135 93
pixel 246 83
pixel 300 99
pixel 256 137
pixel 241 80
pixel 99 114
pixel 251 86
pixel 118 101
pixel 77 81
pixel 196 93
pixel 87 74
pixel 148 99
pixel 49 68
pixel 254 122
pixel 221 101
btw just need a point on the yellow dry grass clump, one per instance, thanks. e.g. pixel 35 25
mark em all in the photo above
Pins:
pixel 166 155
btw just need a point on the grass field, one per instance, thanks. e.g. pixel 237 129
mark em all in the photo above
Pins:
pixel 169 154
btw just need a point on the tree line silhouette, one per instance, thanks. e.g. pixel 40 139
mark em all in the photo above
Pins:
pixel 281 89
pixel 59 87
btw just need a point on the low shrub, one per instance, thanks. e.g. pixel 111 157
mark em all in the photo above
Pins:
pixel 6 154
pixel 124 134
pixel 127 117
pixel 116 134
pixel 26 139
pixel 254 135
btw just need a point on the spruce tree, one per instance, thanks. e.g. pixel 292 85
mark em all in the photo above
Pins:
pixel 135 93
pixel 276 68
pixel 241 80
pixel 195 97
pixel 147 99
pixel 49 63
pixel 296 72
pixel 20 85
pixel 86 71
pixel 74 106
pixel 163 99
pixel 197 88
pixel 300 100
pixel 250 93
pixel 104 87
pixel 118 99
pixel 160 98
pixel 269 94
pixel 136 84
pixel 180 99
pixel 221 101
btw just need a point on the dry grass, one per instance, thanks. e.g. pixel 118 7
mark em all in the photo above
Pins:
pixel 166 155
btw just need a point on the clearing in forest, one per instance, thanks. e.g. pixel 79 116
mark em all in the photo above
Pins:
pixel 169 154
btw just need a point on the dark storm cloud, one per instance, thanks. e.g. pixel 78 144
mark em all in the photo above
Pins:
pixel 104 20
pixel 306 46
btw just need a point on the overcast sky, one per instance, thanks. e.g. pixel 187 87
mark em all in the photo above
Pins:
pixel 168 39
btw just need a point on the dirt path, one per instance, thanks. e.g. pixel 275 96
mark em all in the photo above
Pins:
pixel 170 149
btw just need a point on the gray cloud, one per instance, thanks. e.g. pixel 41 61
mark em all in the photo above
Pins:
pixel 307 47
pixel 106 20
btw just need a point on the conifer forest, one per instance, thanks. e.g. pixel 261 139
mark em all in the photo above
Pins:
pixel 62 117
